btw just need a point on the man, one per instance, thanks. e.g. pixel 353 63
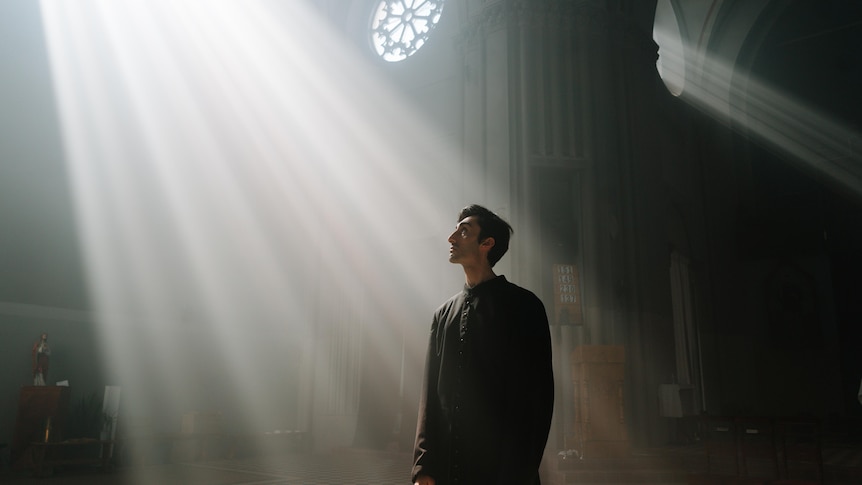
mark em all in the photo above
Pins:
pixel 487 399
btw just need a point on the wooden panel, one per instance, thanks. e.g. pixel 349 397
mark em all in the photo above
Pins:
pixel 598 372
pixel 585 354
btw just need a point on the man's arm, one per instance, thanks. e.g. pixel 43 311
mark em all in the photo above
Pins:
pixel 424 461
pixel 530 398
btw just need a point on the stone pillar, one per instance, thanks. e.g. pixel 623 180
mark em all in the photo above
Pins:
pixel 543 130
pixel 539 138
pixel 556 95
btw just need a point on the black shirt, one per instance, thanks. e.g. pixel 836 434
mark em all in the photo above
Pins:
pixel 487 398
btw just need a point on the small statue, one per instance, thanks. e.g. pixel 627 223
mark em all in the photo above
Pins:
pixel 41 360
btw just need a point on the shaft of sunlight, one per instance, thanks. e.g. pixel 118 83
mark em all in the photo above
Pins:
pixel 241 181
pixel 770 116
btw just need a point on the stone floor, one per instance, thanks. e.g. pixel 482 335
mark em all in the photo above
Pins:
pixel 662 466
pixel 678 465
pixel 348 467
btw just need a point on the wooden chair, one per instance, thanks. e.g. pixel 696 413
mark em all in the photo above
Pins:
pixel 721 450
pixel 757 449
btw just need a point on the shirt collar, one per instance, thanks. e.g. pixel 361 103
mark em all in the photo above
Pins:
pixel 484 286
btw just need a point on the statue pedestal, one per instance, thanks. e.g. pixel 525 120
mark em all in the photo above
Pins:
pixel 42 414
pixel 598 373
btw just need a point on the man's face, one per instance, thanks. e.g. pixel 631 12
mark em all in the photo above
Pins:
pixel 464 243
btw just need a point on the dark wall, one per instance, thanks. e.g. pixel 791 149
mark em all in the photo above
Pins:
pixel 779 338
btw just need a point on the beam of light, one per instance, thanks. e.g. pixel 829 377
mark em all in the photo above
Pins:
pixel 769 116
pixel 241 180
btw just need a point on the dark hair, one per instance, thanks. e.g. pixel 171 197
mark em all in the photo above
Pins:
pixel 490 225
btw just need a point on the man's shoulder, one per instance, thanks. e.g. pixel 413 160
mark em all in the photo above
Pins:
pixel 524 301
pixel 519 292
pixel 450 302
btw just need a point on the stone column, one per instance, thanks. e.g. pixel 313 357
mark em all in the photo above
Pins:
pixel 558 96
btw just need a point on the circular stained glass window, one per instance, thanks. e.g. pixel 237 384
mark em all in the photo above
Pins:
pixel 399 28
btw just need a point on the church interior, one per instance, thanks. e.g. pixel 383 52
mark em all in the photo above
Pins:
pixel 230 221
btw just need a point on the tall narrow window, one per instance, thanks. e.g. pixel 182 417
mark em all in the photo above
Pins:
pixel 399 28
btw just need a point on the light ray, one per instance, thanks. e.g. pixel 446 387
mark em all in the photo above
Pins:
pixel 230 161
pixel 827 147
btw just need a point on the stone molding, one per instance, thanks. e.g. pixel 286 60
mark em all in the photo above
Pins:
pixel 535 13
